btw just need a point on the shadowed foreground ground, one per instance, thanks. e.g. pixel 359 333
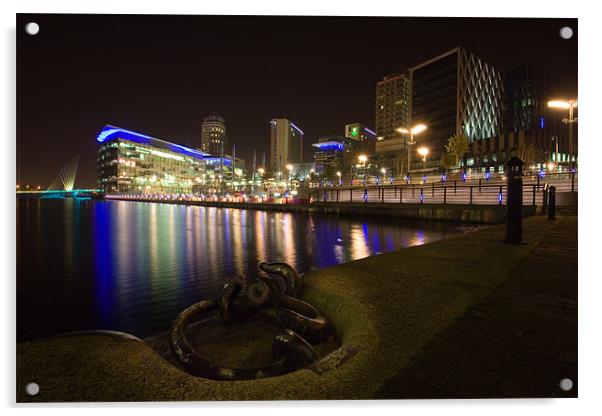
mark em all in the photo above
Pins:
pixel 468 316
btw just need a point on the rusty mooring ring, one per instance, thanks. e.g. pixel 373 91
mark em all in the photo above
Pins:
pixel 260 298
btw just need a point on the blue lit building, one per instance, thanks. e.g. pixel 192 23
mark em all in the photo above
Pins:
pixel 134 163
pixel 334 154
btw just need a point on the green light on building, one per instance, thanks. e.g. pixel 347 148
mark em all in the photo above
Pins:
pixel 354 131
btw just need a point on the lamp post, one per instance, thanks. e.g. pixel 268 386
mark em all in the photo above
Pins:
pixel 555 140
pixel 261 171
pixel 363 159
pixel 339 176
pixel 570 120
pixel 417 129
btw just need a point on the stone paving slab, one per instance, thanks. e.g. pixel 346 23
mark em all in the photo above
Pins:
pixel 520 340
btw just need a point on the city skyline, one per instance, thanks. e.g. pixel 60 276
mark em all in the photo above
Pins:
pixel 209 208
pixel 159 88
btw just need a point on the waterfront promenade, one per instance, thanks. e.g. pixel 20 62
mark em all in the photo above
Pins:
pixel 418 317
pixel 519 340
pixel 481 214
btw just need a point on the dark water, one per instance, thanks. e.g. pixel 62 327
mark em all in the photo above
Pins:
pixel 132 266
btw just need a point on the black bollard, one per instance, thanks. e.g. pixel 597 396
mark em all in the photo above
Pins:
pixel 514 201
pixel 552 203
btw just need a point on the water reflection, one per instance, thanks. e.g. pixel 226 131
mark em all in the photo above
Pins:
pixel 133 266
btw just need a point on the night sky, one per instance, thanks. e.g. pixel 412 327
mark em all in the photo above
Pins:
pixel 159 75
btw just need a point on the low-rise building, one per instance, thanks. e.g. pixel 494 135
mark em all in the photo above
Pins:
pixel 135 163
pixel 364 137
pixel 334 154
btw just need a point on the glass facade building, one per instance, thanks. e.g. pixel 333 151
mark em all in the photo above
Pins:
pixel 434 100
pixel 134 163
pixel 526 89
pixel 454 93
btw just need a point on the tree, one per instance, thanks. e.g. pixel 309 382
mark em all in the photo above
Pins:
pixel 448 160
pixel 529 153
pixel 457 146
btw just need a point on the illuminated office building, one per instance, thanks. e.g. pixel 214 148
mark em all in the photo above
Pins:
pixel 286 144
pixel 393 95
pixel 364 137
pixel 334 154
pixel 134 163
pixel 527 90
pixel 213 135
pixel 456 93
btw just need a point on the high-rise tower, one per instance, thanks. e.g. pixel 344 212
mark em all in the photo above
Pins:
pixel 286 144
pixel 213 135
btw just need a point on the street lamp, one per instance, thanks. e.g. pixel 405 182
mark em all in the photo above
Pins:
pixel 383 172
pixel 289 169
pixel 417 129
pixel 261 171
pixel 363 159
pixel 423 151
pixel 339 175
pixel 570 120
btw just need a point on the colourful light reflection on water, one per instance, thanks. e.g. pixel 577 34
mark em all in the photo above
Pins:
pixel 133 266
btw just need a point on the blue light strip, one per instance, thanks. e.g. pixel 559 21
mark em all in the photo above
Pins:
pixel 111 132
pixel 324 146
pixel 369 131
pixel 214 160
pixel 297 128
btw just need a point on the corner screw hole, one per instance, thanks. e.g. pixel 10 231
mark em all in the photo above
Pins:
pixel 566 384
pixel 566 32
pixel 32 389
pixel 32 28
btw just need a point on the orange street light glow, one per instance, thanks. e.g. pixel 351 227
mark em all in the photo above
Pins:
pixel 562 104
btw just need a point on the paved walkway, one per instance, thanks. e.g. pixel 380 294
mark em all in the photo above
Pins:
pixel 518 341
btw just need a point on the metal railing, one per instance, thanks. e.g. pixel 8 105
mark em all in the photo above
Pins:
pixel 454 192
pixel 568 180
